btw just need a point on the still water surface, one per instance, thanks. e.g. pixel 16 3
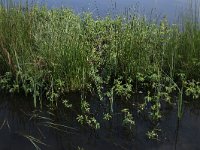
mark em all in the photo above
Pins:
pixel 170 8
pixel 19 123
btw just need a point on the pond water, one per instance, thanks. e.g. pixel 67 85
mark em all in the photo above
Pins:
pixel 20 124
pixel 100 8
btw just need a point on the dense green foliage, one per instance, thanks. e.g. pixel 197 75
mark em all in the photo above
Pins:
pixel 48 53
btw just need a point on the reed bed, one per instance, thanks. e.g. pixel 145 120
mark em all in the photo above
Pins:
pixel 48 53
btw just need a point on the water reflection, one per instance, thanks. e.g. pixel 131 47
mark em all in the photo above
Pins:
pixel 19 121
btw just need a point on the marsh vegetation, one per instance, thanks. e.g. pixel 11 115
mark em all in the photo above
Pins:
pixel 48 54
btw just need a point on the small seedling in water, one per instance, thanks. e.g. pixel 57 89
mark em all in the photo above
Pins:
pixel 107 116
pixel 153 134
pixel 128 119
pixel 67 104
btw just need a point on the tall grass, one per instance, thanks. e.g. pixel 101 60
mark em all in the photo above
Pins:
pixel 56 51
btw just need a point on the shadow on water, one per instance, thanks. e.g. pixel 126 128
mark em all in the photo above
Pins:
pixel 22 126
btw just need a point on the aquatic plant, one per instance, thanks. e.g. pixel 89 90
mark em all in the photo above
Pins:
pixel 87 118
pixel 34 141
pixel 49 53
pixel 128 119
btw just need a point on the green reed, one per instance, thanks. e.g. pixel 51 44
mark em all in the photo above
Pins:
pixel 52 52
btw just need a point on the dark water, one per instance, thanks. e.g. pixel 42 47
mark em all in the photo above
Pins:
pixel 150 8
pixel 19 121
